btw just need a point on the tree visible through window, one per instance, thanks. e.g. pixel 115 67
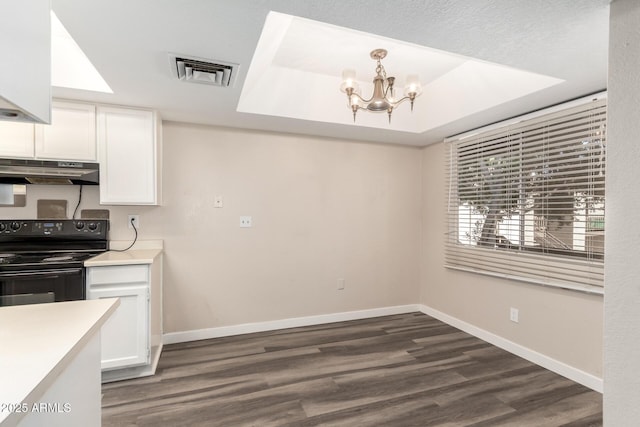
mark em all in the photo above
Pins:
pixel 534 187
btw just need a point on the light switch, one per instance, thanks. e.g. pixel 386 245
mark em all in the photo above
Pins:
pixel 218 202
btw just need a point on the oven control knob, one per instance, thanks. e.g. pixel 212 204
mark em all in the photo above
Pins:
pixel 79 225
pixel 93 226
pixel 3 226
pixel 15 226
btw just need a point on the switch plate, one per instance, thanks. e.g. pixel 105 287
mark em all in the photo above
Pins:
pixel 218 202
pixel 514 314
pixel 340 284
pixel 246 222
pixel 136 221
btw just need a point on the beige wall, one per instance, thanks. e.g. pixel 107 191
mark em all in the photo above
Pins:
pixel 90 200
pixel 322 209
pixel 564 325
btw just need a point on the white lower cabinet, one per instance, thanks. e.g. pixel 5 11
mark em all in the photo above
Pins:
pixel 125 341
pixel 126 335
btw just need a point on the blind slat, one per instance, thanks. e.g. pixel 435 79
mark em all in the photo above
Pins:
pixel 526 200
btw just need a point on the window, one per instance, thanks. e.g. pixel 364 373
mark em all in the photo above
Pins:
pixel 526 197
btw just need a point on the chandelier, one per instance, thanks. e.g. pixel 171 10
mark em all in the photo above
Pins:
pixel 383 98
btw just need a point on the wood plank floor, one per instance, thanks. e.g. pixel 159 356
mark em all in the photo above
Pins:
pixel 404 370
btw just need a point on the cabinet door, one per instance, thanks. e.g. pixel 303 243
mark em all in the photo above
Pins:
pixel 125 336
pixel 127 155
pixel 25 49
pixel 71 134
pixel 16 139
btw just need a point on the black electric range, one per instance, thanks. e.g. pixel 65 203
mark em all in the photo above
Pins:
pixel 43 260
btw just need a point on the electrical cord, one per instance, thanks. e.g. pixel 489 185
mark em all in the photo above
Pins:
pixel 134 239
pixel 78 204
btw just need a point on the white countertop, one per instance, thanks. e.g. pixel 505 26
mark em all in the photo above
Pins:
pixel 39 341
pixel 132 256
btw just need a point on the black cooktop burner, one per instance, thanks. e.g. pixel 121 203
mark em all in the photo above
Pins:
pixel 58 258
pixel 39 258
pixel 47 244
pixel 40 261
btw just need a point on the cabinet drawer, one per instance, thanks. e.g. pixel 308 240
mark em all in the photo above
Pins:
pixel 118 274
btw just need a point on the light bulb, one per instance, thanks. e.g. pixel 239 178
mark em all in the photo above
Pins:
pixel 413 85
pixel 349 80
pixel 353 100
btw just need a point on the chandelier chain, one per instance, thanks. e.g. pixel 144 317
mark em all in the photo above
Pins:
pixel 380 70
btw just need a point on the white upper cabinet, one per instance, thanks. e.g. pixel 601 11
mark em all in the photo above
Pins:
pixel 16 139
pixel 25 48
pixel 128 156
pixel 71 135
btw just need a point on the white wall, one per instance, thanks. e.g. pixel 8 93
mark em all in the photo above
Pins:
pixel 622 259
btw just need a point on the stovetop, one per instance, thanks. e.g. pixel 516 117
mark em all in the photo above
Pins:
pixel 44 244
pixel 43 261
pixel 43 258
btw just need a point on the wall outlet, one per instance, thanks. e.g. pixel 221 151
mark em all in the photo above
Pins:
pixel 246 222
pixel 218 202
pixel 136 221
pixel 340 284
pixel 514 315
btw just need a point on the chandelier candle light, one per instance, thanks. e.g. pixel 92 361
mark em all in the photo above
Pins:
pixel 383 98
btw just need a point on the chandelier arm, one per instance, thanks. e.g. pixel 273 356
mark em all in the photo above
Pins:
pixel 386 92
pixel 366 101
pixel 399 101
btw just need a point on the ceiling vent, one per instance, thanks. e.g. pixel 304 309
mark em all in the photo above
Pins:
pixel 204 71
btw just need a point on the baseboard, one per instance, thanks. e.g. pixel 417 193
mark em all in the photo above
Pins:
pixel 574 374
pixel 248 328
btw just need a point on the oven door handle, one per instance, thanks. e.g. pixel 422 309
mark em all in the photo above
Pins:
pixel 39 273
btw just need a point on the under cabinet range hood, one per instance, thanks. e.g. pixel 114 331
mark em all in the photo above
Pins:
pixel 17 171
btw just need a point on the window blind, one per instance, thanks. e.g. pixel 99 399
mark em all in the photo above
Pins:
pixel 526 198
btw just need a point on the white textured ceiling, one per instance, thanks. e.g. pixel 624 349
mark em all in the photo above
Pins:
pixel 296 53
pixel 129 41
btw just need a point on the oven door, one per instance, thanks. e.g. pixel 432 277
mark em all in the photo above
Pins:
pixel 40 286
